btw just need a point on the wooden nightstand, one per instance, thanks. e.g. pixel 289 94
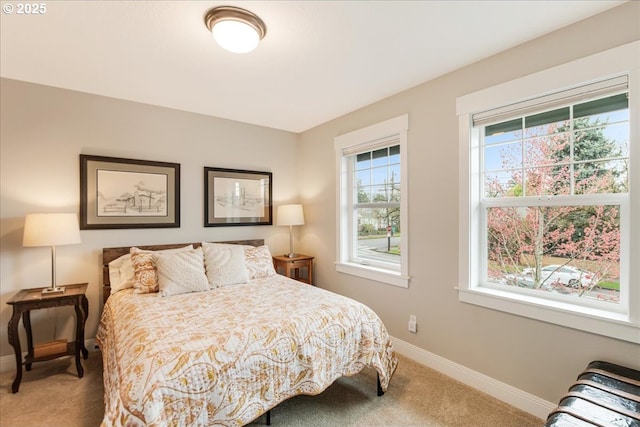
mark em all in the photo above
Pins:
pixel 291 267
pixel 32 299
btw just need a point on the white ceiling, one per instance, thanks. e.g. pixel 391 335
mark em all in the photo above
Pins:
pixel 319 59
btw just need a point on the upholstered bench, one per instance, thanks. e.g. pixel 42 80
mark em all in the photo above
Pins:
pixel 604 395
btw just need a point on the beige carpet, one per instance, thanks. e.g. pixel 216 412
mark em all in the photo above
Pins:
pixel 51 395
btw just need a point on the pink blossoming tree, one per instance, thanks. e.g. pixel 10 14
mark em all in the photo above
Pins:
pixel 546 164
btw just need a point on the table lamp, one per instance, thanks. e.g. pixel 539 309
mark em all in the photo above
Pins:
pixel 51 229
pixel 290 215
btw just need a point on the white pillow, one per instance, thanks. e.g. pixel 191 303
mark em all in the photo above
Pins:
pixel 224 264
pixel 121 273
pixel 181 272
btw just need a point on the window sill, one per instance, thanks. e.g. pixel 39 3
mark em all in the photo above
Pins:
pixel 591 320
pixel 373 273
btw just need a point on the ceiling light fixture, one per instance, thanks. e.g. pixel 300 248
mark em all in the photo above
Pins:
pixel 235 29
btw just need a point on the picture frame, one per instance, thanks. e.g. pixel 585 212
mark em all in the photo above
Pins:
pixel 234 197
pixel 128 193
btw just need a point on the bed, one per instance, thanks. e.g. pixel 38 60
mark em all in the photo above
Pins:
pixel 227 355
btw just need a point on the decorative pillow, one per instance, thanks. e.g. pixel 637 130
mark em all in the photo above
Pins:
pixel 121 274
pixel 181 272
pixel 259 262
pixel 224 264
pixel 144 268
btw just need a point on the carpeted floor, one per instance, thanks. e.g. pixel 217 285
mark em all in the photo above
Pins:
pixel 51 395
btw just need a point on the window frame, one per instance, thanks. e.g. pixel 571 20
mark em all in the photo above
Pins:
pixel 384 134
pixel 624 324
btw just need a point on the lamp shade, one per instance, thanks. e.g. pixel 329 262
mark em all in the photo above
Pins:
pixel 51 229
pixel 290 215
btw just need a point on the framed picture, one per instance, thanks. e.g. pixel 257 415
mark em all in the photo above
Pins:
pixel 128 193
pixel 236 197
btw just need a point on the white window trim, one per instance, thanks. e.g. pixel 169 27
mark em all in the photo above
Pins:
pixel 623 59
pixel 395 127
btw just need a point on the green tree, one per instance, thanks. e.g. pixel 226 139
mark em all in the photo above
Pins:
pixel 589 143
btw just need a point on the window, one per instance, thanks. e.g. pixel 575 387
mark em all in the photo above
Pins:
pixel 555 191
pixel 548 190
pixel 372 225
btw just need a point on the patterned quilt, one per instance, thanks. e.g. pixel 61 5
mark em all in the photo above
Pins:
pixel 226 356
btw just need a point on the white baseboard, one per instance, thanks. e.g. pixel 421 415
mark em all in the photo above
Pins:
pixel 501 391
pixel 8 363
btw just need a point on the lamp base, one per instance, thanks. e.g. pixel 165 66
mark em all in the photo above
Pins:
pixel 291 255
pixel 53 290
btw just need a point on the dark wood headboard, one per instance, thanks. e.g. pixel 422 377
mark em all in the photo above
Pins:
pixel 109 254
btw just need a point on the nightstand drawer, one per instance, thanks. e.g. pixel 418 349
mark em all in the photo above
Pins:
pixel 299 267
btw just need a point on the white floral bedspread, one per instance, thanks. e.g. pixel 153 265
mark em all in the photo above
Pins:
pixel 226 356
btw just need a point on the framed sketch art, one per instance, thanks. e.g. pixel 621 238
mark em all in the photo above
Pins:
pixel 236 197
pixel 128 193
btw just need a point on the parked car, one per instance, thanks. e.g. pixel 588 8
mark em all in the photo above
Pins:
pixel 565 274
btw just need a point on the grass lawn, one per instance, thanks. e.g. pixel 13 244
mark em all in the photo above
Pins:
pixel 614 286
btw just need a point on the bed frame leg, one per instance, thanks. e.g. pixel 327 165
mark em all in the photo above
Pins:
pixel 380 391
pixel 269 417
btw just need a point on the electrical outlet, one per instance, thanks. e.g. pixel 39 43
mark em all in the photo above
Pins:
pixel 413 326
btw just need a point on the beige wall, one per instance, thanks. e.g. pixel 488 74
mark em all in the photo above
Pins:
pixel 534 356
pixel 44 130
